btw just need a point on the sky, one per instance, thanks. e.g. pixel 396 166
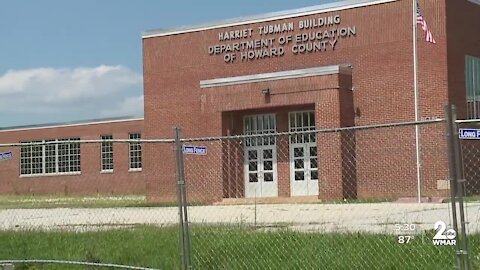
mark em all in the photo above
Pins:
pixel 64 61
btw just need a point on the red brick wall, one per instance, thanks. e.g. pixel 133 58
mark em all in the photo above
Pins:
pixel 382 78
pixel 463 19
pixel 91 180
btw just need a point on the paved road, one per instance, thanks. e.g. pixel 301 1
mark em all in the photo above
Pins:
pixel 376 218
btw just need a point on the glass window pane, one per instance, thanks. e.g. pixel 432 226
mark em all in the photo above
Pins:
pixel 314 175
pixel 267 154
pixel 299 120
pixel 292 121
pixel 252 154
pixel 268 165
pixel 299 163
pixel 313 163
pixel 312 119
pixel 272 140
pixel 306 137
pixel 299 176
pixel 268 177
pixel 298 152
pixel 260 123
pixel 252 166
pixel 272 122
pixel 252 177
pixel 305 119
pixel 247 125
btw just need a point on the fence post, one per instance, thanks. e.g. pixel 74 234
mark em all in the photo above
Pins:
pixel 460 189
pixel 457 190
pixel 182 203
pixel 452 169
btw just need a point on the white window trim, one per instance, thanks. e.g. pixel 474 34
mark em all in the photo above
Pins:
pixel 49 174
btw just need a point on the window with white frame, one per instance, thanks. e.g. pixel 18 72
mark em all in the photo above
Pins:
pixel 260 124
pixel 107 153
pixel 31 161
pixel 300 122
pixel 60 157
pixel 135 152
pixel 475 1
pixel 472 85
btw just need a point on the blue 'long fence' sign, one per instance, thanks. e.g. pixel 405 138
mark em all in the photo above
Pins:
pixel 469 133
pixel 195 150
pixel 6 155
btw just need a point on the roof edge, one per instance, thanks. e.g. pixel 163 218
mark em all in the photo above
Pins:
pixel 271 16
pixel 70 124
pixel 280 75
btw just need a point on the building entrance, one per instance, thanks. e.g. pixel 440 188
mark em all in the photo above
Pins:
pixel 260 164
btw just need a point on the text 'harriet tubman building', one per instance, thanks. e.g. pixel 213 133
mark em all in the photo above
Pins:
pixel 338 65
pixel 344 69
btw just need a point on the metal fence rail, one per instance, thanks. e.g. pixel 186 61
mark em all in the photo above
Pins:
pixel 302 198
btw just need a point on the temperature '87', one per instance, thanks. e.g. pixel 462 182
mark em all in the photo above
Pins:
pixel 405 239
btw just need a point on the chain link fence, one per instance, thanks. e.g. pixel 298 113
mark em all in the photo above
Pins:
pixel 471 160
pixel 81 204
pixel 307 199
pixel 470 164
pixel 330 199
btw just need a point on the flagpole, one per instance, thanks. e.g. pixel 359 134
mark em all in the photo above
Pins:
pixel 415 91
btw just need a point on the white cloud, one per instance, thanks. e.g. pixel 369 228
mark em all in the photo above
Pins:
pixel 131 106
pixel 84 91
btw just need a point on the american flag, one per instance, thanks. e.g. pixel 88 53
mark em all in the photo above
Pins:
pixel 421 20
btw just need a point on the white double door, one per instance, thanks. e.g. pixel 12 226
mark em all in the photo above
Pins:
pixel 304 169
pixel 303 154
pixel 261 168
pixel 260 164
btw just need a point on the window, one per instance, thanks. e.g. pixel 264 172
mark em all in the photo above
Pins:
pixel 135 152
pixel 31 161
pixel 60 158
pixel 51 157
pixel 301 122
pixel 260 124
pixel 472 83
pixel 107 153
pixel 475 1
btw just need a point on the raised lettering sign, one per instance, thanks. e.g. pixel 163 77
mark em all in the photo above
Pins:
pixel 314 35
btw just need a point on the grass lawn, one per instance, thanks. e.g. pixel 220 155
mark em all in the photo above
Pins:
pixel 231 248
pixel 56 201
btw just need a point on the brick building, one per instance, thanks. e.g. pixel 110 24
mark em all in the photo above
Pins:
pixel 341 64
pixel 71 167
